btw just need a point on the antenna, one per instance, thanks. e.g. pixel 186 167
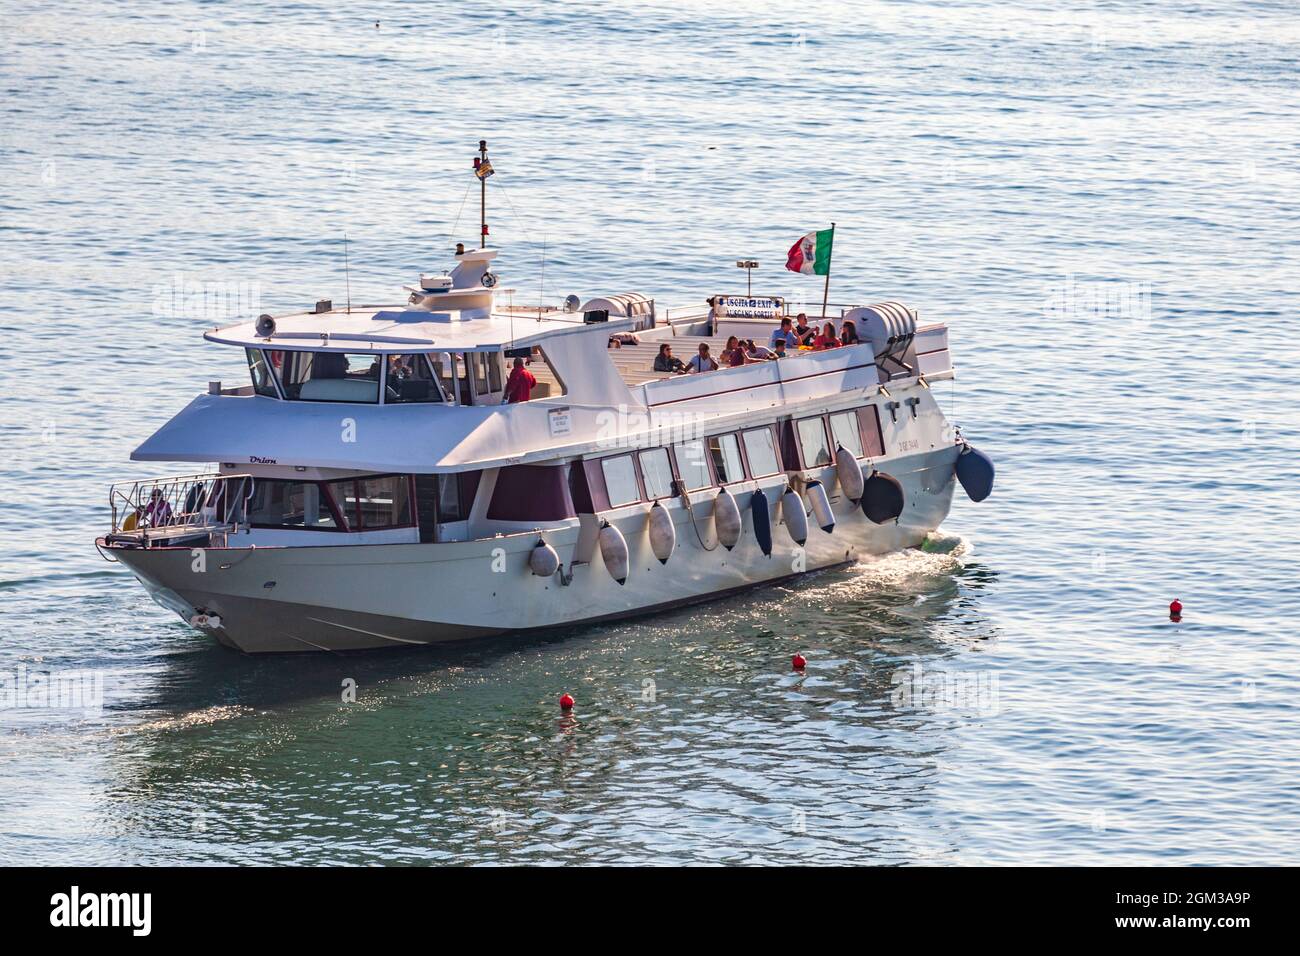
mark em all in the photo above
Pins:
pixel 541 286
pixel 347 272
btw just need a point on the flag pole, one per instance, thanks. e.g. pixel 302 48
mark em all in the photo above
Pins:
pixel 827 291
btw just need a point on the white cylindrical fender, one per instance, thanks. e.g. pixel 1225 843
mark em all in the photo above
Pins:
pixel 613 550
pixel 726 519
pixel 849 472
pixel 792 513
pixel 821 506
pixel 663 533
pixel 544 560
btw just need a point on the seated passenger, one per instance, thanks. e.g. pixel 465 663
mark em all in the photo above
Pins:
pixel 733 355
pixel 757 353
pixel 702 362
pixel 778 350
pixel 519 386
pixel 827 339
pixel 664 361
pixel 849 333
pixel 784 334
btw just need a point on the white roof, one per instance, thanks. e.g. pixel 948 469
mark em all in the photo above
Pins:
pixel 397 327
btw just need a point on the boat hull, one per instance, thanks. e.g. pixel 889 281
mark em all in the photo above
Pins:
pixel 365 597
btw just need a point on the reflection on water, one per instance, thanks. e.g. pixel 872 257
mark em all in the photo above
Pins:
pixel 693 739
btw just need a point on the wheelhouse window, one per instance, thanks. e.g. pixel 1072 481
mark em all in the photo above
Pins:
pixel 844 431
pixel 727 463
pixel 657 471
pixel 297 505
pixel 620 480
pixel 693 465
pixel 373 502
pixel 331 377
pixel 260 369
pixel 762 452
pixel 410 379
pixel 486 368
pixel 812 440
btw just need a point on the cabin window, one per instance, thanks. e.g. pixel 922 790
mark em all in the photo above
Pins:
pixel 410 379
pixel 657 471
pixel 456 495
pixel 260 369
pixel 844 429
pixel 443 371
pixel 331 377
pixel 296 505
pixel 693 465
pixel 727 463
pixel 761 451
pixel 812 439
pixel 373 502
pixel 620 480
pixel 869 420
pixel 486 371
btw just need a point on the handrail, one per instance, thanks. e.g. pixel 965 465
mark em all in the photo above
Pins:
pixel 147 508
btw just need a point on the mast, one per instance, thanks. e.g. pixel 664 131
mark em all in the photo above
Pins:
pixel 482 169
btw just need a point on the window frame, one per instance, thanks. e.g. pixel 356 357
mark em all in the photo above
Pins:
pixel 803 452
pixel 636 480
pixel 645 484
pixel 740 455
pixel 340 513
pixel 774 444
pixel 284 387
pixel 261 355
pixel 708 464
pixel 854 425
pixel 433 379
pixel 326 497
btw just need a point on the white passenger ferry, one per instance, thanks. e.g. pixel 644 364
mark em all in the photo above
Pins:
pixel 373 489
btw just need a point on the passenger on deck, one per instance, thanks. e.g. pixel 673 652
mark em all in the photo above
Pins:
pixel 519 386
pixel 665 362
pixel 733 355
pixel 826 339
pixel 849 333
pixel 757 353
pixel 784 334
pixel 803 332
pixel 702 362
pixel 778 350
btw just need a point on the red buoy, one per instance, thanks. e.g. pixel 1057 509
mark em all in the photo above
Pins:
pixel 798 662
pixel 566 702
pixel 1175 607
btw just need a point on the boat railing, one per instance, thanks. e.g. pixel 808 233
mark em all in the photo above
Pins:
pixel 148 509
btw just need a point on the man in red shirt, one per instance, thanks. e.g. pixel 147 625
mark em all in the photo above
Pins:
pixel 520 383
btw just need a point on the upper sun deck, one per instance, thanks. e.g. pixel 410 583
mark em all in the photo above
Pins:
pixel 458 312
pixel 396 328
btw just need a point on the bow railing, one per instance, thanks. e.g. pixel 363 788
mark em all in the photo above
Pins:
pixel 153 508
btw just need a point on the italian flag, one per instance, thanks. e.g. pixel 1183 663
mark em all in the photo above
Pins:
pixel 812 254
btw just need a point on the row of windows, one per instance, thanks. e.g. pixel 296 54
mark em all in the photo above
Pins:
pixel 352 504
pixel 357 377
pixel 724 459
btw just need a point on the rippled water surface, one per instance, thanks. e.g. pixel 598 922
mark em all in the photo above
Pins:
pixel 1102 205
